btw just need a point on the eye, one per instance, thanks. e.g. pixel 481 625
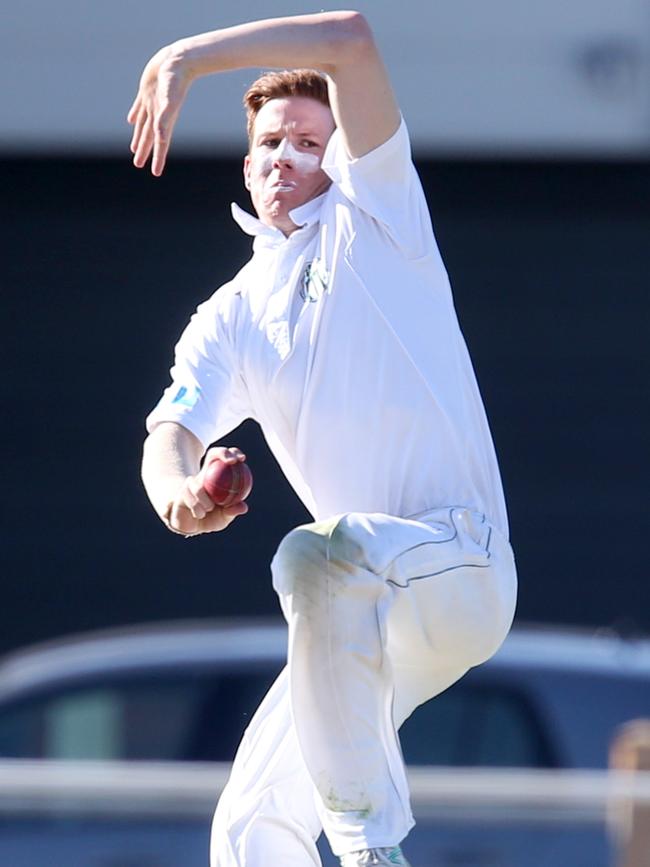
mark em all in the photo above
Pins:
pixel 308 143
pixel 270 142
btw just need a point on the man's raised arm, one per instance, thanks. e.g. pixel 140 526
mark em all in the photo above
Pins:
pixel 340 44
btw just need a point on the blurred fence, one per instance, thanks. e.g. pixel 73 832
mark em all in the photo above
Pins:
pixel 192 789
pixel 550 800
pixel 569 808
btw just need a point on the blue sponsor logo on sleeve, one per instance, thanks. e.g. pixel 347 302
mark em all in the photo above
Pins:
pixel 187 396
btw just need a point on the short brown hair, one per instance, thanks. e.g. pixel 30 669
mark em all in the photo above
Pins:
pixel 277 85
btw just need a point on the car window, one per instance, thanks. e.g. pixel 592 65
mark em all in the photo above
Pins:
pixel 156 716
pixel 87 725
pixel 489 726
pixel 201 715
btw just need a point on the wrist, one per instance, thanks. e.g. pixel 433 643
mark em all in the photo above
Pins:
pixel 166 518
pixel 163 493
pixel 188 58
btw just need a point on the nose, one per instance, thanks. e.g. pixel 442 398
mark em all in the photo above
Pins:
pixel 283 154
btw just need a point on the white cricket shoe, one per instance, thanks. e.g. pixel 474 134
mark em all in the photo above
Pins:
pixel 391 856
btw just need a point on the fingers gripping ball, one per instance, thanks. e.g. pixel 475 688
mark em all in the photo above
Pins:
pixel 226 483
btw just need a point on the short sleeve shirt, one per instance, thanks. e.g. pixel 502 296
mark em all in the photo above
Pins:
pixel 343 343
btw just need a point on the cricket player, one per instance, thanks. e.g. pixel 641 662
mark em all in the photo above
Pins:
pixel 339 337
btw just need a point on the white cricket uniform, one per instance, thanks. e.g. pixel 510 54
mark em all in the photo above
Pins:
pixel 343 343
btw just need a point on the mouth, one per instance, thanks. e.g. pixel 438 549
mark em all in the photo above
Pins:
pixel 283 186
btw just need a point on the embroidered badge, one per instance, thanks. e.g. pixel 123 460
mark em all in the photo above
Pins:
pixel 314 281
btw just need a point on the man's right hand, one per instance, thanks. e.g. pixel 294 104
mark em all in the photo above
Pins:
pixel 192 512
pixel 161 93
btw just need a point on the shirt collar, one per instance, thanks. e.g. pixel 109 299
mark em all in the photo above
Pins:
pixel 304 216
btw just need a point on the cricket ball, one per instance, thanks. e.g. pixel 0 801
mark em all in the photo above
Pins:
pixel 227 483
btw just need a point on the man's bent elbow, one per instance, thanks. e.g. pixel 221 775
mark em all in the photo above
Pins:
pixel 353 37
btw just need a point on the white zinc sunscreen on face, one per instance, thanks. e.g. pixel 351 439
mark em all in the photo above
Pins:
pixel 302 162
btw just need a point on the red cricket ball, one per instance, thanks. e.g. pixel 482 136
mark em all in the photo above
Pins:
pixel 226 484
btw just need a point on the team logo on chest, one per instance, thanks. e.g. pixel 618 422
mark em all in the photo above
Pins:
pixel 314 281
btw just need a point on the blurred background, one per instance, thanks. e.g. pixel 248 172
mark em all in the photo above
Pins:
pixel 530 126
pixel 531 130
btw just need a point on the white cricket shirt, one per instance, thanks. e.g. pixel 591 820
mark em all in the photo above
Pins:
pixel 343 343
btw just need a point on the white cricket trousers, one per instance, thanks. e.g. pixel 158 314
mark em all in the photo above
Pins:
pixel 383 614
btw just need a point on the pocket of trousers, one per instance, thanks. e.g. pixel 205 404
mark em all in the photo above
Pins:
pixel 455 538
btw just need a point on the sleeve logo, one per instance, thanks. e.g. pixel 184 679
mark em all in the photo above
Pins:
pixel 187 396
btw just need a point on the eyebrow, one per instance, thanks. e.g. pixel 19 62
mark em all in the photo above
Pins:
pixel 304 133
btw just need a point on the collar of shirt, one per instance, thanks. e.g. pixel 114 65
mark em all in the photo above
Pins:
pixel 304 217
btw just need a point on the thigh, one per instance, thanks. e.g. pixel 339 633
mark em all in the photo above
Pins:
pixel 442 584
pixel 444 581
pixel 451 593
pixel 401 551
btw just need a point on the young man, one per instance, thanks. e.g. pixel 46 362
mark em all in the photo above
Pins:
pixel 339 337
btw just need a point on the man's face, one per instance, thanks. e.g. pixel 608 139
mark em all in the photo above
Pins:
pixel 282 169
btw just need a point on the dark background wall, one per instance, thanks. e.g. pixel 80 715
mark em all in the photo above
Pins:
pixel 102 266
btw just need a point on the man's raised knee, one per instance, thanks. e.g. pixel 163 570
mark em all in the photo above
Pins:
pixel 335 546
pixel 301 553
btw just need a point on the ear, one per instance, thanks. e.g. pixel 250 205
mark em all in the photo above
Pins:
pixel 247 172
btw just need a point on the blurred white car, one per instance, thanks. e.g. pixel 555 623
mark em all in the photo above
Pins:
pixel 185 691
pixel 175 692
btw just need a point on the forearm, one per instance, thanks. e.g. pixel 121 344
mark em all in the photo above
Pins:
pixel 171 453
pixel 320 41
pixel 339 44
